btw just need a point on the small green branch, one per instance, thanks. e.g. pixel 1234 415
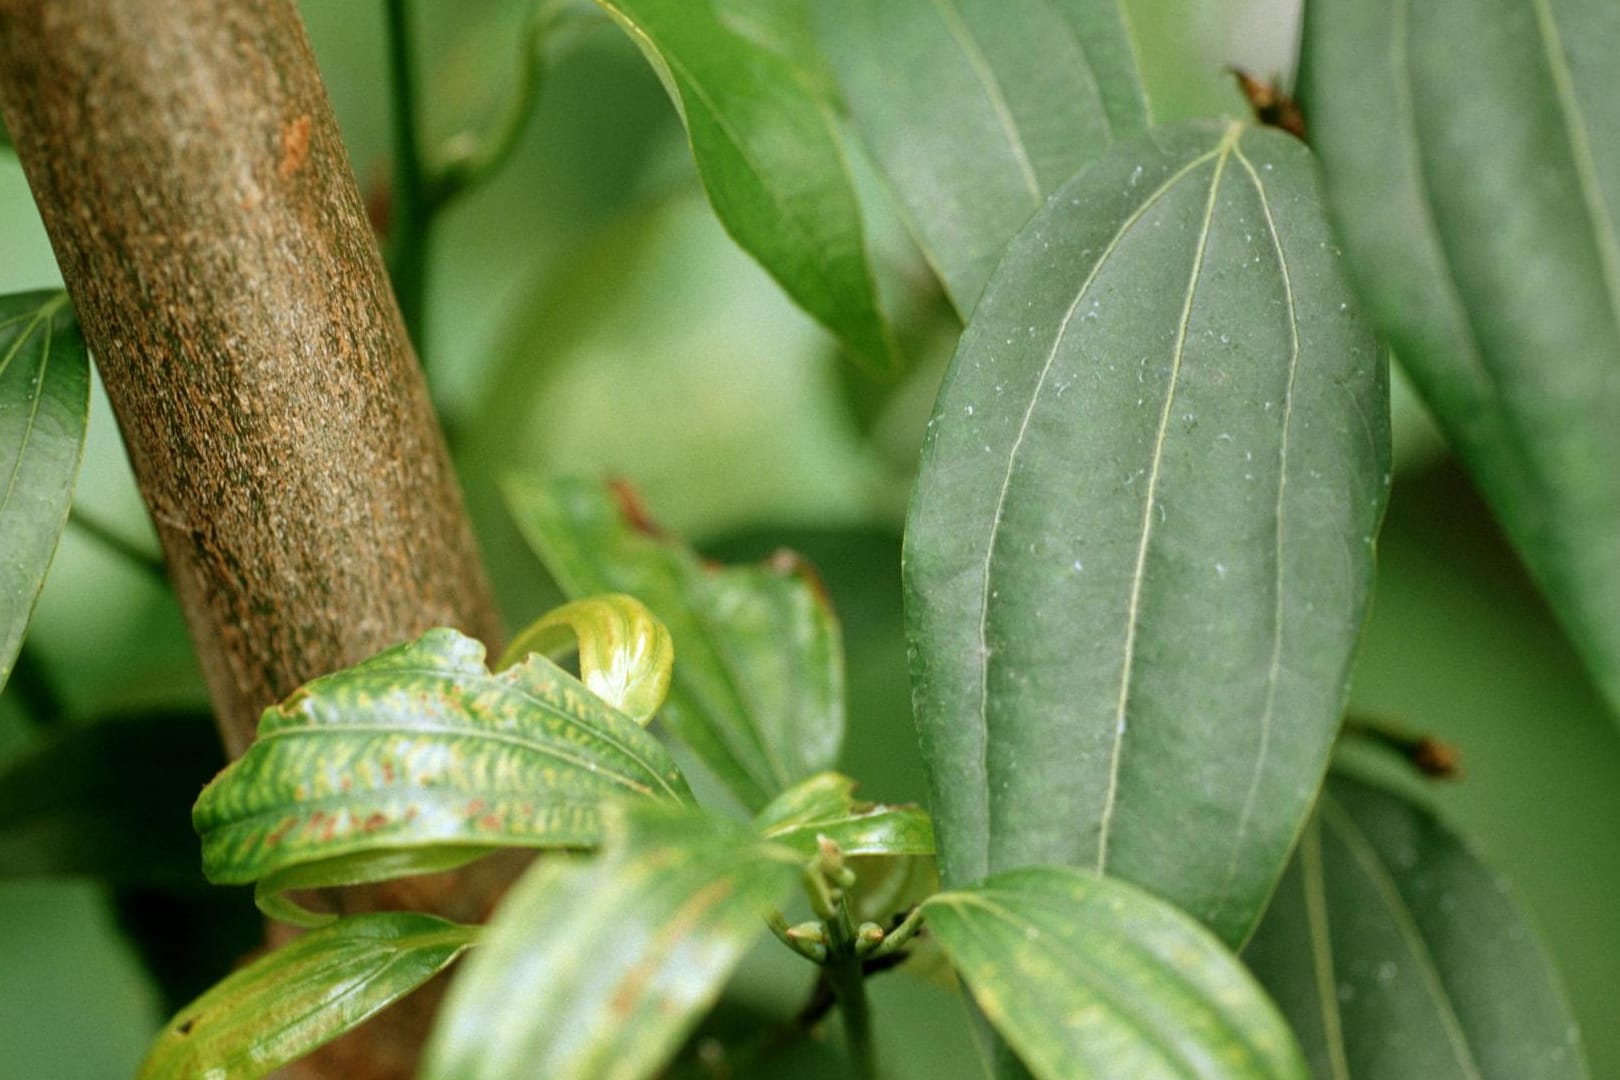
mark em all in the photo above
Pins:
pixel 137 556
pixel 470 160
pixel 1434 759
pixel 829 880
pixel 410 214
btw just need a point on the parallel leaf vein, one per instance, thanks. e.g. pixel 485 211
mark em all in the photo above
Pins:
pixel 999 510
pixel 1133 610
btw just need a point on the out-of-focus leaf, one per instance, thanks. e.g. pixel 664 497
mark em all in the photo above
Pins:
pixel 1396 953
pixel 1140 547
pixel 44 402
pixel 303 995
pixel 1472 159
pixel 111 800
pixel 758 691
pixel 769 155
pixel 417 760
pixel 977 110
pixel 825 805
pixel 625 654
pixel 597 968
pixel 1092 979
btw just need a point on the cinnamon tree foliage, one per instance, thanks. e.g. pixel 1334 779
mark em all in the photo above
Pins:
pixel 1018 705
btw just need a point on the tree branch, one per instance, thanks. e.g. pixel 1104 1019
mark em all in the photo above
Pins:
pixel 201 205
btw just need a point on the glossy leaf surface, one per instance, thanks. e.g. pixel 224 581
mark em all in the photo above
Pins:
pixel 1091 979
pixel 977 110
pixel 770 159
pixel 1396 953
pixel 303 995
pixel 825 805
pixel 758 691
pixel 1472 159
pixel 419 759
pixel 44 402
pixel 111 800
pixel 610 960
pixel 1140 546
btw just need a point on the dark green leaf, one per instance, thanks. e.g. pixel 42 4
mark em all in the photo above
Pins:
pixel 758 689
pixel 1397 954
pixel 419 759
pixel 769 155
pixel 303 995
pixel 44 402
pixel 1472 157
pixel 825 805
pixel 977 110
pixel 111 800
pixel 597 968
pixel 1140 547
pixel 1088 977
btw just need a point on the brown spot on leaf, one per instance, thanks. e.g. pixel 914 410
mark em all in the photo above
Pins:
pixel 185 1026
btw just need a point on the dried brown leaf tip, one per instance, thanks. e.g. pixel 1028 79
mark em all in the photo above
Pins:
pixel 632 509
pixel 1272 107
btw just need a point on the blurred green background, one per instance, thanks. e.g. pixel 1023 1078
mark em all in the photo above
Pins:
pixel 587 313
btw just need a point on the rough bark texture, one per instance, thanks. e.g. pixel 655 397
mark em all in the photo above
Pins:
pixel 202 208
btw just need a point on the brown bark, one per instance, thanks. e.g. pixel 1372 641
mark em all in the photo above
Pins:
pixel 201 205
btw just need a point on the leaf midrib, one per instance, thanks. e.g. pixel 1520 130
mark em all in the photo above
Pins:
pixel 1111 795
pixel 984 651
pixel 1372 865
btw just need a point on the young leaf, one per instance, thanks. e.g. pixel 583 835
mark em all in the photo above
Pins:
pixel 610 961
pixel 758 693
pixel 1472 159
pixel 1140 546
pixel 1396 953
pixel 825 805
pixel 625 654
pixel 769 156
pixel 110 800
pixel 416 760
pixel 977 110
pixel 304 995
pixel 1088 977
pixel 44 402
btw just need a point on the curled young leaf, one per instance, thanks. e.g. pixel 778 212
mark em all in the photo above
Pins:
pixel 758 694
pixel 417 760
pixel 625 654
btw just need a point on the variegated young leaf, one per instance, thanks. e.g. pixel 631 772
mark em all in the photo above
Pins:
pixel 758 694
pixel 825 805
pixel 44 402
pixel 1090 978
pixel 625 654
pixel 596 969
pixel 303 995
pixel 420 759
